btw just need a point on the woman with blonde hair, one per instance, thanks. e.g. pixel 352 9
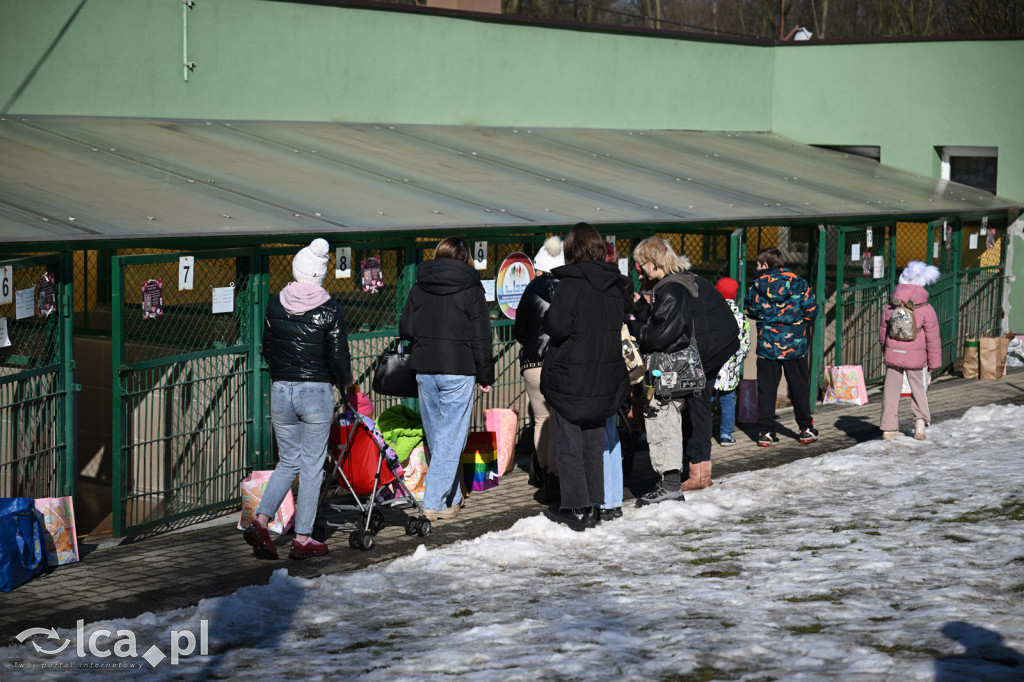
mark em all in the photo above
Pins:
pixel 682 306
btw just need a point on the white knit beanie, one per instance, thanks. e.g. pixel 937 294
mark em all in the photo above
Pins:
pixel 550 255
pixel 310 264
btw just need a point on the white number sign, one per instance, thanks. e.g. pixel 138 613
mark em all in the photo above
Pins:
pixel 186 272
pixel 343 262
pixel 480 255
pixel 6 284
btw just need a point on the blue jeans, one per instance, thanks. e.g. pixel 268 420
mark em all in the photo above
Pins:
pixel 612 465
pixel 302 413
pixel 727 400
pixel 446 405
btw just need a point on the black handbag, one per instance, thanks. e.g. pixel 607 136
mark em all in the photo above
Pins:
pixel 394 374
pixel 679 374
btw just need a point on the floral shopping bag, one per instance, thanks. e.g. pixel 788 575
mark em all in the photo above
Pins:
pixel 252 492
pixel 844 385
pixel 58 516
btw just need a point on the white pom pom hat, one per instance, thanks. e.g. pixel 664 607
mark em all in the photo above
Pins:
pixel 310 264
pixel 920 274
pixel 550 255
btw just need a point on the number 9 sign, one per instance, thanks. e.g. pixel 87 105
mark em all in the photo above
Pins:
pixel 480 255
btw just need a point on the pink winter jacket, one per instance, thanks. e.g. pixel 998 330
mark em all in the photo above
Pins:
pixel 926 348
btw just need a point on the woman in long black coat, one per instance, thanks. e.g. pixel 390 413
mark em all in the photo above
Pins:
pixel 584 378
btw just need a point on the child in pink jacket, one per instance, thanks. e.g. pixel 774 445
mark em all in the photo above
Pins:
pixel 910 357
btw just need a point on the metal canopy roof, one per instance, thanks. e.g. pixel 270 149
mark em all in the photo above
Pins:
pixel 75 179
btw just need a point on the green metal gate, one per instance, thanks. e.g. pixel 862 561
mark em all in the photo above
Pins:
pixel 36 386
pixel 861 293
pixel 183 388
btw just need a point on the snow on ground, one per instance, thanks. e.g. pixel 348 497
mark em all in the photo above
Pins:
pixel 892 560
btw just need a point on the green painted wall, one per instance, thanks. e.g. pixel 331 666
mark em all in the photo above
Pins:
pixel 285 61
pixel 907 98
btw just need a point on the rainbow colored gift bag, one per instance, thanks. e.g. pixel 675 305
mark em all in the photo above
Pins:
pixel 252 492
pixel 58 516
pixel 480 461
pixel 415 467
pixel 503 423
pixel 844 385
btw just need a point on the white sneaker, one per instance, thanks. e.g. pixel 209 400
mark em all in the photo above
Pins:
pixel 919 429
pixel 886 435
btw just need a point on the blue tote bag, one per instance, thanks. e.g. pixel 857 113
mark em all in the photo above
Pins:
pixel 22 543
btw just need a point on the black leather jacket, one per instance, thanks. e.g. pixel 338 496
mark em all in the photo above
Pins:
pixel 309 347
pixel 529 326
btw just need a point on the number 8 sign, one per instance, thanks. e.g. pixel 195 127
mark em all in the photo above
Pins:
pixel 6 284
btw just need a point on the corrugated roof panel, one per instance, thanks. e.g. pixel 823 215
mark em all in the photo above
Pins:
pixel 80 178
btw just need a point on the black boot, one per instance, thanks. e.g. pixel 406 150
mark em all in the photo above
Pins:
pixel 576 519
pixel 552 489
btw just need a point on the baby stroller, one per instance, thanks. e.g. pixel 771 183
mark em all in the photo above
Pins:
pixel 361 461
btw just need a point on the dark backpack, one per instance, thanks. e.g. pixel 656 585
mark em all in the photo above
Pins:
pixel 902 322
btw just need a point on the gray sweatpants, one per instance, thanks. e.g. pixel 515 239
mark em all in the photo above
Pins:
pixel 665 434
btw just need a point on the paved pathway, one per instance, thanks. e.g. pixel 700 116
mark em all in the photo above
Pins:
pixel 177 569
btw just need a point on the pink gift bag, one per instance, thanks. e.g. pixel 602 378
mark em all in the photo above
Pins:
pixel 253 486
pixel 844 385
pixel 503 422
pixel 746 402
pixel 59 521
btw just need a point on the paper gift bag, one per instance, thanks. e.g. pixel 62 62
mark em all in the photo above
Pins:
pixel 480 461
pixel 503 423
pixel 253 486
pixel 905 390
pixel 58 516
pixel 415 478
pixel 844 385
pixel 992 357
pixel 971 358
pixel 746 402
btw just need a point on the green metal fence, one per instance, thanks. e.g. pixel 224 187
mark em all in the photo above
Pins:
pixel 182 385
pixel 36 384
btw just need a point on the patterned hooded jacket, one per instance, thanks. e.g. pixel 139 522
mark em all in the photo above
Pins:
pixel 732 370
pixel 782 304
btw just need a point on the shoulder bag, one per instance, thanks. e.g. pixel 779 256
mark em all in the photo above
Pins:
pixel 679 374
pixel 394 374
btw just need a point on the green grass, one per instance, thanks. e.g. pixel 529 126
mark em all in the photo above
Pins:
pixel 833 597
pixel 705 560
pixel 463 613
pixel 806 629
pixel 902 648
pixel 718 574
pixel 1012 510
pixel 956 538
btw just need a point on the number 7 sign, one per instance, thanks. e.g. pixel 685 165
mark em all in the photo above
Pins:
pixel 186 272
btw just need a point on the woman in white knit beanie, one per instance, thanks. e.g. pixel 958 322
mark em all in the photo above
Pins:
pixel 305 344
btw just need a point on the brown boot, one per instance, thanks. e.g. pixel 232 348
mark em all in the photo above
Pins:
pixel 700 477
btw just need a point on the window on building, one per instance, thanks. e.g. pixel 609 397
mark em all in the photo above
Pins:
pixel 866 151
pixel 974 166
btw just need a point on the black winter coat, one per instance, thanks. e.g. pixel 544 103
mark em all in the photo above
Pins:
pixel 447 321
pixel 309 347
pixel 666 320
pixel 584 377
pixel 529 326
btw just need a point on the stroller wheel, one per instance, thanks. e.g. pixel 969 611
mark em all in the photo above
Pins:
pixel 376 521
pixel 365 540
pixel 411 526
pixel 353 539
pixel 424 526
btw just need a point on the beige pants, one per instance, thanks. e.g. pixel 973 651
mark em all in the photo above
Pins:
pixel 891 397
pixel 542 432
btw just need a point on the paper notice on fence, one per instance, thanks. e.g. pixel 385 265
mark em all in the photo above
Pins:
pixel 24 303
pixel 973 241
pixel 855 251
pixel 489 289
pixel 223 300
pixel 5 340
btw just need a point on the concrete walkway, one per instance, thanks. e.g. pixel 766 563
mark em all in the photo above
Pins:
pixel 177 569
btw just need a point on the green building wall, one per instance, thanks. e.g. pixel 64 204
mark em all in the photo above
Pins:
pixel 265 60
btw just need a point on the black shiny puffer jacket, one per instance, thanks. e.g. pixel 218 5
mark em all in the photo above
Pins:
pixel 309 347
pixel 529 327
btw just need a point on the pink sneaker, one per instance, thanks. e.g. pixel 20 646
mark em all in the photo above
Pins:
pixel 258 536
pixel 307 550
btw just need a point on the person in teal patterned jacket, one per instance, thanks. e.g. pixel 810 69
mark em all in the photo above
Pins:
pixel 782 304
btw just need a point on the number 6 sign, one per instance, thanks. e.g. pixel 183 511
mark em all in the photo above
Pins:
pixel 6 284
